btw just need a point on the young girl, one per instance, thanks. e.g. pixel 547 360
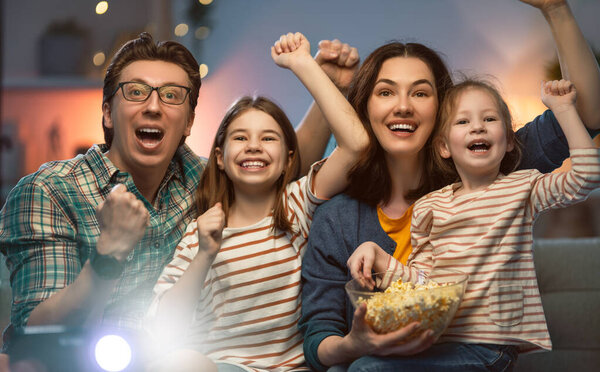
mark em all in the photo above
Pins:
pixel 232 291
pixel 483 224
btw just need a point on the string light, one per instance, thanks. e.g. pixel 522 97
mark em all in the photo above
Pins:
pixel 99 59
pixel 101 7
pixel 203 70
pixel 202 32
pixel 181 29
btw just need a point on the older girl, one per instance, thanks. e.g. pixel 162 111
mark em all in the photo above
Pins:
pixel 232 291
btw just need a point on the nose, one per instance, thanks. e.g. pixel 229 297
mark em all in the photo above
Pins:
pixel 477 126
pixel 253 145
pixel 152 104
pixel 403 106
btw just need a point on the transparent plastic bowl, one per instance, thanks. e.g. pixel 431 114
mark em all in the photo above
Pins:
pixel 433 307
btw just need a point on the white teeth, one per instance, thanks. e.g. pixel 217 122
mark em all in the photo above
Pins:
pixel 150 130
pixel 253 164
pixel 402 127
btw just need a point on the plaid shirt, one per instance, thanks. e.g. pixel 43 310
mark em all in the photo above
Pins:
pixel 48 228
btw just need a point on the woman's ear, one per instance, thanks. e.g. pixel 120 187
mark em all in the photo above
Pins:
pixel 289 162
pixel 219 157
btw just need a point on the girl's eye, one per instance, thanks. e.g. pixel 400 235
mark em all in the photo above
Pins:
pixel 490 118
pixel 462 121
pixel 239 138
pixel 269 139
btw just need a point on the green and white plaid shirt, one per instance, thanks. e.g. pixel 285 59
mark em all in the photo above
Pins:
pixel 48 228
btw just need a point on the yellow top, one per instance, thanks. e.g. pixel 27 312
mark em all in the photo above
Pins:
pixel 399 230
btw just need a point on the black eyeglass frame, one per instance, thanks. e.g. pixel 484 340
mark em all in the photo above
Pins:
pixel 152 89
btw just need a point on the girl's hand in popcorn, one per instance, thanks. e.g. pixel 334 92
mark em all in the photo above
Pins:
pixel 364 341
pixel 367 257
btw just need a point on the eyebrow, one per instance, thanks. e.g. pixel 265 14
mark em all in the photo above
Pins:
pixel 414 83
pixel 139 80
pixel 266 131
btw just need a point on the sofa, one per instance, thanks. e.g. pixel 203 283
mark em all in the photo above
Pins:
pixel 568 272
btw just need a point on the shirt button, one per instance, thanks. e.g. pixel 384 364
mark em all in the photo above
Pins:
pixel 156 244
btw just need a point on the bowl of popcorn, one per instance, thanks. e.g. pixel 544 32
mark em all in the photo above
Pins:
pixel 431 299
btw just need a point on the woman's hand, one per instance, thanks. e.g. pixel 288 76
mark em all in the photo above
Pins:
pixel 363 338
pixel 339 61
pixel 545 5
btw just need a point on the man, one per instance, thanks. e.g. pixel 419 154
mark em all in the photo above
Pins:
pixel 70 262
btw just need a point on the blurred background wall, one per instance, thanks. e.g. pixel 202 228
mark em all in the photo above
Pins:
pixel 54 52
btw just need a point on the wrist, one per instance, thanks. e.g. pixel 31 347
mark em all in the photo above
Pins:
pixel 107 267
pixel 556 11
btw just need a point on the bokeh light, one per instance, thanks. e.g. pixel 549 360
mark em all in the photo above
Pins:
pixel 203 70
pixel 202 32
pixel 99 59
pixel 205 2
pixel 181 29
pixel 101 7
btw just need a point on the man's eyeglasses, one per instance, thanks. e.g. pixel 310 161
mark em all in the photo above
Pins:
pixel 139 92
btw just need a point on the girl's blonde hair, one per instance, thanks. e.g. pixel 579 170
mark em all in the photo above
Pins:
pixel 447 110
pixel 215 186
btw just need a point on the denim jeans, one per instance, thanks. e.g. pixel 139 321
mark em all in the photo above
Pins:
pixel 448 356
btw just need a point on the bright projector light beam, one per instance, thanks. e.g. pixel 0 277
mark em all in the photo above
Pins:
pixel 112 353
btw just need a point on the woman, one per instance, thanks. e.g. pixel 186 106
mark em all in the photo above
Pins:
pixel 396 94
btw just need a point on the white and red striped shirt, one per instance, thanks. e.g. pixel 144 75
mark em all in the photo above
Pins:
pixel 250 305
pixel 488 235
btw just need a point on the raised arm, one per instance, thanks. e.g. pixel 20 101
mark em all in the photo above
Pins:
pixel 123 220
pixel 340 62
pixel 560 97
pixel 577 62
pixel 177 301
pixel 293 51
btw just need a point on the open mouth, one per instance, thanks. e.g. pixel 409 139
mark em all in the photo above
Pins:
pixel 479 146
pixel 406 128
pixel 253 164
pixel 149 136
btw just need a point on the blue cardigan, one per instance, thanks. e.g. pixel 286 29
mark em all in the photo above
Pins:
pixel 342 224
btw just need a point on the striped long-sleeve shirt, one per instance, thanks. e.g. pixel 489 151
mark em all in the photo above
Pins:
pixel 250 305
pixel 488 235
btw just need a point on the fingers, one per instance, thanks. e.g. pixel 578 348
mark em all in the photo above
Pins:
pixel 414 346
pixel 334 51
pixel 557 87
pixel 288 43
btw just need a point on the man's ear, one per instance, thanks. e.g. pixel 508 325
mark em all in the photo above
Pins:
pixel 189 124
pixel 106 111
pixel 219 157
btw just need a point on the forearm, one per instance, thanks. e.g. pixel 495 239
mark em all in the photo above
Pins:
pixel 577 62
pixel 335 350
pixel 343 121
pixel 574 130
pixel 177 305
pixel 313 135
pixel 79 303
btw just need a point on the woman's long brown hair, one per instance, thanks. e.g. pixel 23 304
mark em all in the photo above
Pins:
pixel 369 179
